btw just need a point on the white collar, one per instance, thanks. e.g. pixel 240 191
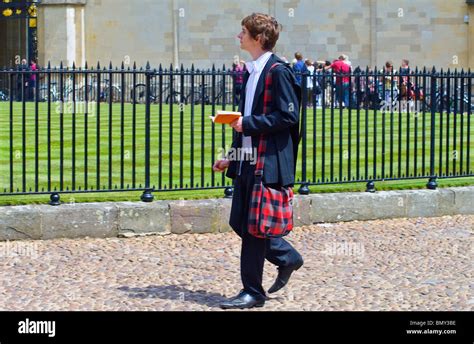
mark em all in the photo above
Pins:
pixel 258 65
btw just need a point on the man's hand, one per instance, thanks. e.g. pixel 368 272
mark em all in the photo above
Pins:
pixel 237 125
pixel 220 165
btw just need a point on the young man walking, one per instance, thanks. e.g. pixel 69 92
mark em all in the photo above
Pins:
pixel 280 125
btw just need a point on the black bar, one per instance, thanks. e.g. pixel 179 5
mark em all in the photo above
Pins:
pixel 416 113
pixel 36 132
pixel 315 144
pixel 323 129
pixel 304 139
pixel 86 128
pixel 160 129
pixel 423 129
pixel 455 118
pixel 399 174
pixel 433 122
pixel 213 127
pixel 461 112
pixel 98 131
pixel 203 81
pixel 23 129
pixel 61 131
pixel 375 126
pixel 73 186
pixel 181 128
pixel 349 128
pixel 110 126
pixel 134 128
pixel 384 101
pixel 171 88
pixel 366 134
pixel 441 120
pixel 147 130
pixel 359 93
pixel 223 88
pixel 409 92
pixel 122 129
pixel 442 103
pixel 341 114
pixel 469 113
pixel 332 128
pixel 192 127
pixel 11 133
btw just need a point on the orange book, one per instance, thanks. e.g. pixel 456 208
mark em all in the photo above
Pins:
pixel 225 117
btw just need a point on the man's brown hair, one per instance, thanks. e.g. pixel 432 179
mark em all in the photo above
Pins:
pixel 264 25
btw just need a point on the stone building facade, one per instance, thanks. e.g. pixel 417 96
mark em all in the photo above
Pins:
pixel 203 32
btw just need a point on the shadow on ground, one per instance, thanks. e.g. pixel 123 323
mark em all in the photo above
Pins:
pixel 175 292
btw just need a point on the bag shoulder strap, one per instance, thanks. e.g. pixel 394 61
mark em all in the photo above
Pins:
pixel 267 102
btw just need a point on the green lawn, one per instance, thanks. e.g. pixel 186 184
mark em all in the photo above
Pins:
pixel 186 150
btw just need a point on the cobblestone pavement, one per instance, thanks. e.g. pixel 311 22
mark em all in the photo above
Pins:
pixel 401 264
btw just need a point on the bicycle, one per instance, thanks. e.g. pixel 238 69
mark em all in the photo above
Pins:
pixel 450 103
pixel 201 94
pixel 53 91
pixel 4 96
pixel 138 93
pixel 224 95
pixel 107 93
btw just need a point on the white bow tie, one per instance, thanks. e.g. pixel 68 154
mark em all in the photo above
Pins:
pixel 252 67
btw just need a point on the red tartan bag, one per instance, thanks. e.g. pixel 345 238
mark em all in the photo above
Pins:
pixel 271 209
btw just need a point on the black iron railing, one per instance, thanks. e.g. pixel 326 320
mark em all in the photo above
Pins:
pixel 75 130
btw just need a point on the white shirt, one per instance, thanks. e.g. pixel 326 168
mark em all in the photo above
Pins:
pixel 309 84
pixel 255 69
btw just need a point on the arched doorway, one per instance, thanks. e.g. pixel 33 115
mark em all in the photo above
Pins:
pixel 18 35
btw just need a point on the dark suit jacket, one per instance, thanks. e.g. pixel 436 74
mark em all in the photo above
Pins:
pixel 281 125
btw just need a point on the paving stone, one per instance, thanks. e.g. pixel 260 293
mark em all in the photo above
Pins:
pixel 407 264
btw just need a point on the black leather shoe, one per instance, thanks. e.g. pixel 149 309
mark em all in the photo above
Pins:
pixel 284 273
pixel 241 292
pixel 242 301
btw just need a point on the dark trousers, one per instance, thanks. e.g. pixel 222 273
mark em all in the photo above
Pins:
pixel 254 250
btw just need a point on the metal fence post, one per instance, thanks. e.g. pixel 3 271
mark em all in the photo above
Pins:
pixel 147 195
pixel 432 182
pixel 303 190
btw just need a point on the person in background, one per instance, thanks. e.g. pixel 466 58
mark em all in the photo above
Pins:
pixel 405 67
pixel 32 79
pixel 340 67
pixel 390 84
pixel 309 83
pixel 238 68
pixel 405 82
pixel 299 67
pixel 22 81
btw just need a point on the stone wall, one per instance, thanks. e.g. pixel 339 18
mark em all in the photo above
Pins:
pixel 427 32
pixel 102 220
